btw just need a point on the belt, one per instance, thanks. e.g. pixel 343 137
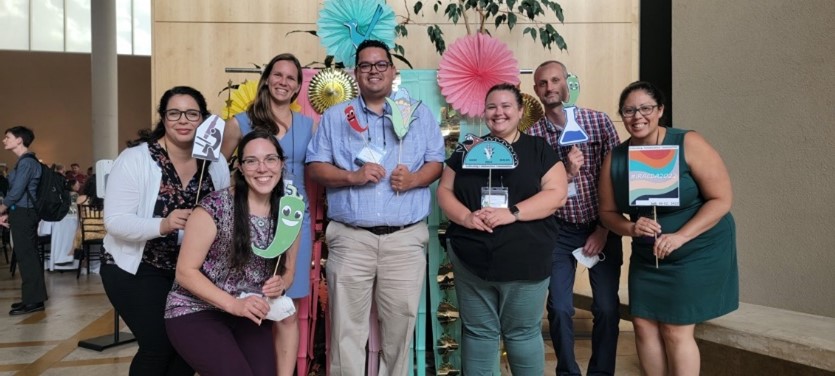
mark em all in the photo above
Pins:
pixel 385 230
pixel 577 226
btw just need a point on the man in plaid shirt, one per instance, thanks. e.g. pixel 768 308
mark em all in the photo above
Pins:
pixel 579 227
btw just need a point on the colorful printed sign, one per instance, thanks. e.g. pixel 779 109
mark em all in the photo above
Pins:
pixel 487 153
pixel 402 109
pixel 654 175
pixel 208 138
pixel 573 132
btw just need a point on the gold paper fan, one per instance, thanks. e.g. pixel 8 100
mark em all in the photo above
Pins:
pixel 329 87
pixel 532 111
pixel 240 99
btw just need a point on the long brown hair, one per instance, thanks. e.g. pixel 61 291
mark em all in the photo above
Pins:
pixel 259 111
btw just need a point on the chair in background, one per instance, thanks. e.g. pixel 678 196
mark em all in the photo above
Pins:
pixel 5 237
pixel 44 248
pixel 92 234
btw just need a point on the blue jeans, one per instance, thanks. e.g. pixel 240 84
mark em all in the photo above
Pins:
pixel 605 278
pixel 490 311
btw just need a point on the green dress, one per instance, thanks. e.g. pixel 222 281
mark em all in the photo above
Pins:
pixel 696 282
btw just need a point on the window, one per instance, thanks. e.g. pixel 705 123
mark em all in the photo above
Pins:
pixel 64 25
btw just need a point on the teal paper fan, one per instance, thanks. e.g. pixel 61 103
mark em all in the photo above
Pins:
pixel 344 24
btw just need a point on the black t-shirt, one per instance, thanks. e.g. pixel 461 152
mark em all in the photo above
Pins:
pixel 513 252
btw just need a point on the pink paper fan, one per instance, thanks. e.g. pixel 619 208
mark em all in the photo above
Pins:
pixel 470 67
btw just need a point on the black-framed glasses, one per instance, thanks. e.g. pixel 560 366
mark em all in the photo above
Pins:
pixel 381 66
pixel 645 110
pixel 251 163
pixel 174 115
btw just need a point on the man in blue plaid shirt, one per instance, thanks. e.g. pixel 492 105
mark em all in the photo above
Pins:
pixel 579 227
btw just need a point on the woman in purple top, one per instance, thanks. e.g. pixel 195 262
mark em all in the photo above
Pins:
pixel 213 329
pixel 278 87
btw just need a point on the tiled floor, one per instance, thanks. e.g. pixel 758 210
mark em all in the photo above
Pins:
pixel 45 343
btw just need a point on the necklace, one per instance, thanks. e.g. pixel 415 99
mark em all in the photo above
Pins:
pixel 657 137
pixel 262 222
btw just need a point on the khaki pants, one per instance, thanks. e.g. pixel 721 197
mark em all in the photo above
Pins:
pixel 391 266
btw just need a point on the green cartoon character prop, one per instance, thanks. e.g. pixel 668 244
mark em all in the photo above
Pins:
pixel 290 214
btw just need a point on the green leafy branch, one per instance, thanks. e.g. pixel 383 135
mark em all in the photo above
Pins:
pixel 497 12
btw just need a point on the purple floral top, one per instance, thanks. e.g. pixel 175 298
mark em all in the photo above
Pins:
pixel 216 267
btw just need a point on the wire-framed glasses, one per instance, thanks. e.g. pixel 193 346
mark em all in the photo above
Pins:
pixel 251 163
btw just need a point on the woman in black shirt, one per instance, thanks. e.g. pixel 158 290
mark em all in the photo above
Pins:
pixel 501 252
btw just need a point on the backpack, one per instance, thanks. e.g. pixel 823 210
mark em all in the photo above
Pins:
pixel 53 201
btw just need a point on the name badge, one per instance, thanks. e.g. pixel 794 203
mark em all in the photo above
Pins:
pixel 494 197
pixel 572 189
pixel 370 153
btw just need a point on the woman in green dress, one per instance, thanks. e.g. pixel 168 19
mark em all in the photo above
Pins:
pixel 695 242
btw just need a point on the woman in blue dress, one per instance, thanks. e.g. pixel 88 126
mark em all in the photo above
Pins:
pixel 278 87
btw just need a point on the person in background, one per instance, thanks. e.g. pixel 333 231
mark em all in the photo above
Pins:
pixel 278 87
pixel 377 204
pixel 683 268
pixel 153 186
pixel 19 205
pixel 75 173
pixel 216 331
pixel 4 184
pixel 88 195
pixel 579 227
pixel 500 254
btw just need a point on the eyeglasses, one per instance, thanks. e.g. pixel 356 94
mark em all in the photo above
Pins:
pixel 174 115
pixel 645 110
pixel 381 66
pixel 251 164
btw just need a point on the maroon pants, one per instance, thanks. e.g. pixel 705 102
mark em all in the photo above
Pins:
pixel 217 343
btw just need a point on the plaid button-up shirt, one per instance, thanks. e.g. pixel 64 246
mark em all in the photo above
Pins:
pixel 583 207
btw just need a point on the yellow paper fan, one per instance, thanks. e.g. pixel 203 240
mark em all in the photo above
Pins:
pixel 329 87
pixel 240 99
pixel 532 111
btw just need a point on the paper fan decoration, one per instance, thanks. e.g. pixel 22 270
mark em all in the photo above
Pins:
pixel 532 111
pixel 329 87
pixel 240 99
pixel 344 24
pixel 470 67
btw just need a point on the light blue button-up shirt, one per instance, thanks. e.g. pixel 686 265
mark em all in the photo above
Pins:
pixel 337 143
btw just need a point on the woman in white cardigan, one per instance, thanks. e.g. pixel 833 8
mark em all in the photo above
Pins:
pixel 150 192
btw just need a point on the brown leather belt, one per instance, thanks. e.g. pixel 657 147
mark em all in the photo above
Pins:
pixel 385 230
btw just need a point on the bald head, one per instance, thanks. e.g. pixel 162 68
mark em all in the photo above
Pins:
pixel 549 84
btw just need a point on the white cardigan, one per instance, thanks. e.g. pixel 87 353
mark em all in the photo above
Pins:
pixel 130 196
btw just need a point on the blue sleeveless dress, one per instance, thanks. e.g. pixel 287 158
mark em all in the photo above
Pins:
pixel 294 144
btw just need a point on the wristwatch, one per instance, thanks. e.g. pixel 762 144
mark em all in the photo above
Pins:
pixel 515 211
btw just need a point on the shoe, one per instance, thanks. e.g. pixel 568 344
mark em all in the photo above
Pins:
pixel 27 308
pixel 17 305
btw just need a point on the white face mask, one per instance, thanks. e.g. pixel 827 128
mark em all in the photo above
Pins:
pixel 588 262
